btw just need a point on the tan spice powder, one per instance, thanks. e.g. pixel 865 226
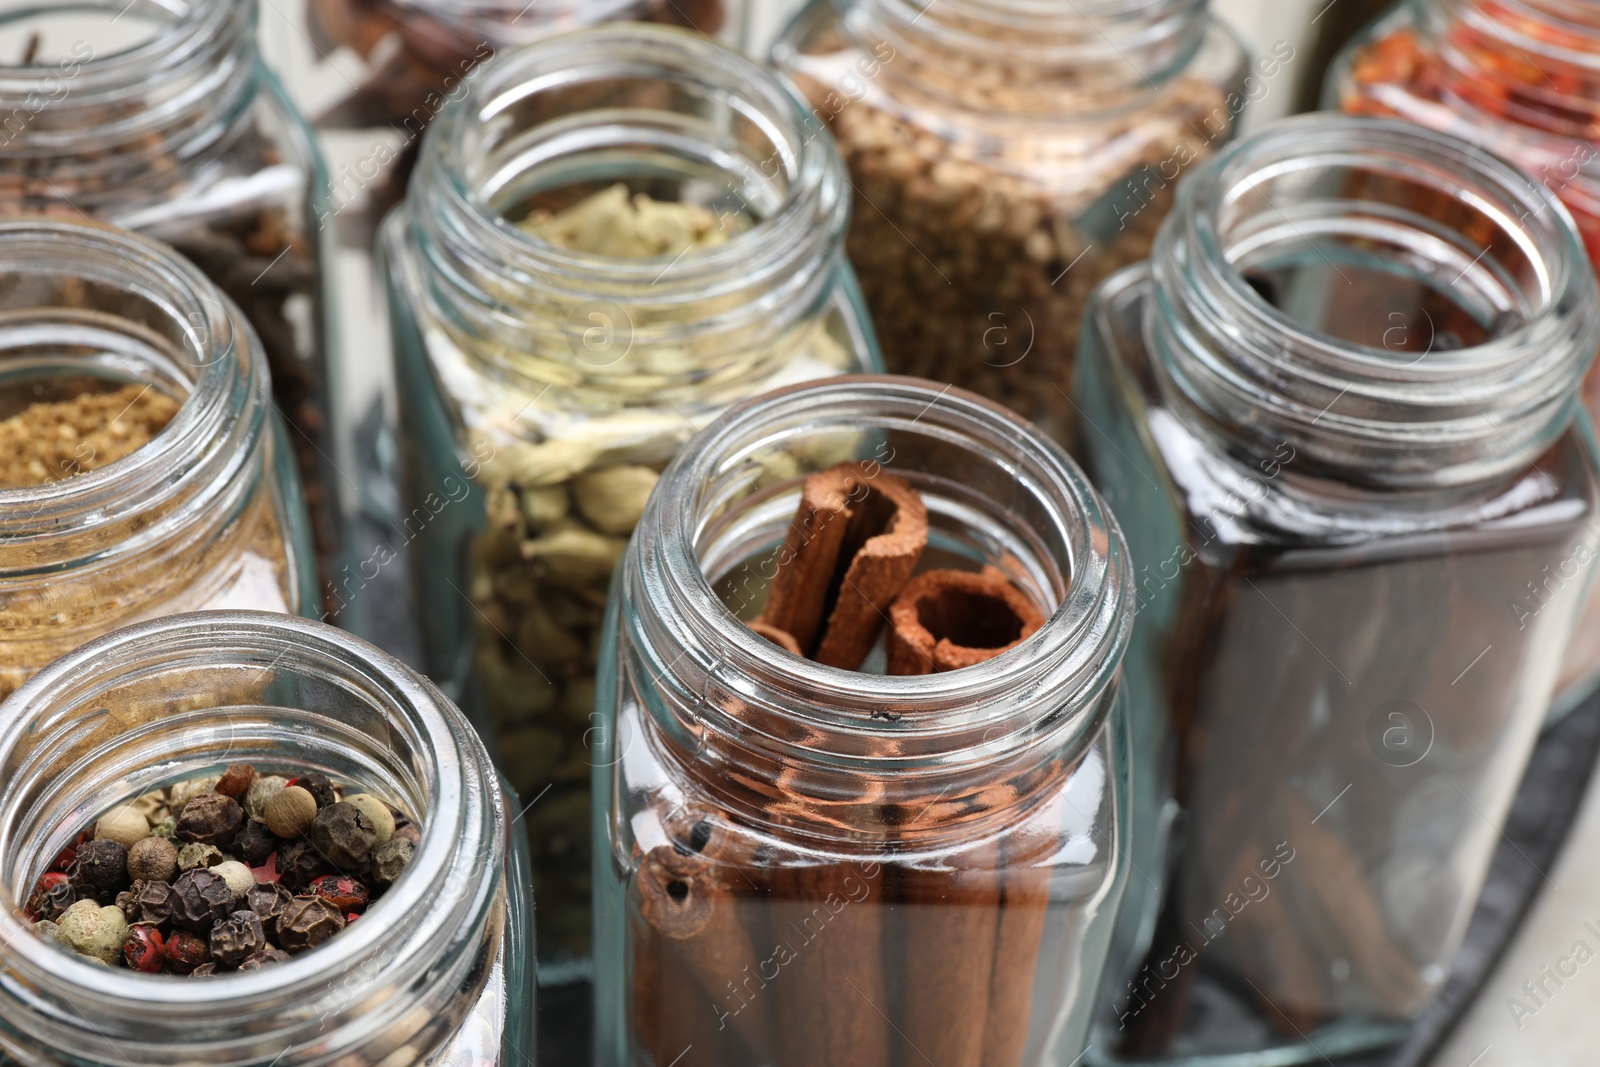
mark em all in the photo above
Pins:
pixel 53 440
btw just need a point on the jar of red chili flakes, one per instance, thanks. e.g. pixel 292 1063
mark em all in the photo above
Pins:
pixel 1522 78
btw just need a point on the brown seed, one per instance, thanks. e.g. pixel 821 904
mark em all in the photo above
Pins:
pixel 257 960
pixel 200 899
pixel 390 862
pixel 147 902
pixel 155 859
pixel 124 825
pixel 299 865
pixel 237 937
pixel 236 781
pixel 101 867
pixel 267 900
pixel 307 922
pixel 210 819
pixel 256 843
pixel 344 836
pixel 290 812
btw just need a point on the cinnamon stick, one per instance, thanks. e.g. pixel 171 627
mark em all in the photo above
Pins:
pixel 673 1019
pixel 852 546
pixel 946 620
pixel 686 900
pixel 1024 907
pixel 830 997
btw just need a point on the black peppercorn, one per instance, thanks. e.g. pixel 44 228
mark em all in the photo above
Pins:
pixel 267 900
pixel 147 902
pixel 299 865
pixel 390 861
pixel 52 898
pixel 101 869
pixel 318 785
pixel 307 922
pixel 200 898
pixel 210 819
pixel 257 960
pixel 237 937
pixel 255 843
pixel 205 970
pixel 344 836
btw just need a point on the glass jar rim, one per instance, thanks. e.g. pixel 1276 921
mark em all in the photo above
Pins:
pixel 464 817
pixel 1215 335
pixel 215 436
pixel 811 163
pixel 1073 658
pixel 1512 32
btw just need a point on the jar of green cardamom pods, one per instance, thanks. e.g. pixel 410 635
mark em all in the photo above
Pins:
pixel 611 238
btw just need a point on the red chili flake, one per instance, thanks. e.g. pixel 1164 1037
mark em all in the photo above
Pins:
pixel 350 917
pixel 344 893
pixel 268 871
pixel 144 948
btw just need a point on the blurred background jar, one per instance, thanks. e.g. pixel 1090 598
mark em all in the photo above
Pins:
pixel 438 970
pixel 422 54
pixel 804 865
pixel 161 118
pixel 1005 157
pixel 616 235
pixel 1337 412
pixel 1521 78
pixel 143 471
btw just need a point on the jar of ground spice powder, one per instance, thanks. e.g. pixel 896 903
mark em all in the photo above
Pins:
pixel 436 969
pixel 1338 413
pixel 143 471
pixel 1521 78
pixel 422 55
pixel 161 118
pixel 863 794
pixel 570 308
pixel 1005 157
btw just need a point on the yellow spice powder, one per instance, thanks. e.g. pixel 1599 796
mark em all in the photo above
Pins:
pixel 57 439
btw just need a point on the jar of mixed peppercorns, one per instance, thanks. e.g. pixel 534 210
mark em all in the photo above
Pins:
pixel 616 235
pixel 246 838
pixel 1005 157
pixel 161 118
pixel 1522 78
pixel 143 471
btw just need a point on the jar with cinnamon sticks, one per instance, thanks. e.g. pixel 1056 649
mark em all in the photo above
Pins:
pixel 863 795
pixel 162 119
pixel 208 715
pixel 1521 78
pixel 143 471
pixel 1338 412
pixel 614 236
pixel 1005 157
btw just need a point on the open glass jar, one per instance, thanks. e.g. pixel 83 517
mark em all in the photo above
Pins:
pixel 205 513
pixel 1338 413
pixel 160 118
pixel 799 864
pixel 1006 156
pixel 547 378
pixel 423 53
pixel 1519 77
pixel 438 970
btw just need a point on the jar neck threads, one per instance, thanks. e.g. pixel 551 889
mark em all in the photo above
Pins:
pixel 650 107
pixel 90 128
pixel 1105 54
pixel 785 742
pixel 84 300
pixel 1406 310
pixel 180 697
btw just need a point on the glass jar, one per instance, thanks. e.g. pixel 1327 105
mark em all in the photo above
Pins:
pixel 207 514
pixel 437 971
pixel 1006 156
pixel 798 864
pixel 1337 411
pixel 1519 77
pixel 423 53
pixel 544 387
pixel 161 118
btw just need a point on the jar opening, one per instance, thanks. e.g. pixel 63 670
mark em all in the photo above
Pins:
pixel 997 495
pixel 186 695
pixel 1409 309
